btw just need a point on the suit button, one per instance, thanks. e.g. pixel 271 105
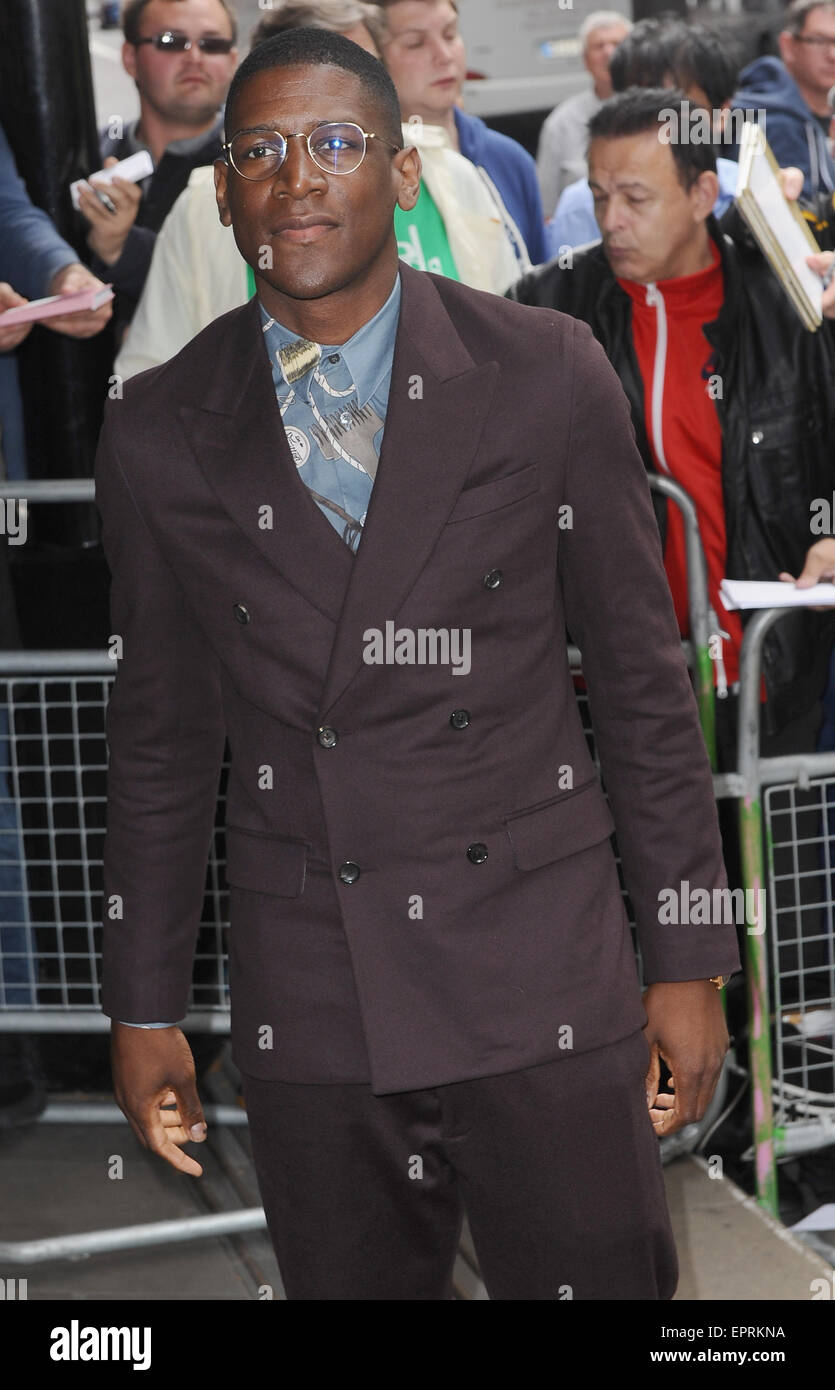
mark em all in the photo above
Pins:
pixel 460 718
pixel 241 613
pixel 493 579
pixel 327 738
pixel 477 853
pixel 348 872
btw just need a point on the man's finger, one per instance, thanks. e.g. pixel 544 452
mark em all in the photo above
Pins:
pixel 653 1075
pixel 94 209
pixel 189 1107
pixel 160 1144
pixel 686 1099
pixel 791 182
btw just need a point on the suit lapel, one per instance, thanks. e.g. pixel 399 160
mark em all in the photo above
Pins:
pixel 437 408
pixel 240 444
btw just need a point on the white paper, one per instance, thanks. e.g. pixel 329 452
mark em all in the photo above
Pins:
pixel 135 168
pixel 756 593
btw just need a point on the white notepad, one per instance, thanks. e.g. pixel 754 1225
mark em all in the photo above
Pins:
pixel 766 593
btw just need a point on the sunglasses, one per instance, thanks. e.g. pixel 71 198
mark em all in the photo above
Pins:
pixel 337 147
pixel 169 42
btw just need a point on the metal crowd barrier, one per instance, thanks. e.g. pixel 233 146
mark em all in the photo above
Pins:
pixel 787 834
pixel 53 759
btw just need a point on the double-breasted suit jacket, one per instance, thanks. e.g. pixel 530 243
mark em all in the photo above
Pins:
pixel 422 884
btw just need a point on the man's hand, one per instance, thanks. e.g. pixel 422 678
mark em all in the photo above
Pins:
pixel 70 280
pixel 818 568
pixel 109 230
pixel 16 332
pixel 820 262
pixel 153 1067
pixel 685 1026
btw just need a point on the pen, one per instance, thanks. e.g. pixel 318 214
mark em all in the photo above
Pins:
pixel 102 197
pixel 828 274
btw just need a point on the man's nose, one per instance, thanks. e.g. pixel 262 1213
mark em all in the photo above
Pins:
pixel 299 172
pixel 193 56
pixel 441 52
pixel 610 217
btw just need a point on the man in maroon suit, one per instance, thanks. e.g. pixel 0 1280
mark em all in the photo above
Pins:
pixel 435 1004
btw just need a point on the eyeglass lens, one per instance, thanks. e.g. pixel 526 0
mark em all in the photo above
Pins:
pixel 337 148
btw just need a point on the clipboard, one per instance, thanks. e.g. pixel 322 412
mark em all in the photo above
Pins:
pixel 778 226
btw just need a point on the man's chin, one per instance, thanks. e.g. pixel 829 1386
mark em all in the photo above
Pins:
pixel 304 286
pixel 196 112
pixel 623 262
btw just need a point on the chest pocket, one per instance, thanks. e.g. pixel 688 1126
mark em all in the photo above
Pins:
pixel 563 826
pixel 501 492
pixel 783 446
pixel 265 863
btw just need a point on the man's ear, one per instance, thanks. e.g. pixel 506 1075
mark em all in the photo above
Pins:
pixel 221 169
pixel 785 43
pixel 129 59
pixel 407 164
pixel 703 195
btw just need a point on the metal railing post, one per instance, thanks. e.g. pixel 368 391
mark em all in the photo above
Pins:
pixel 699 604
pixel 753 872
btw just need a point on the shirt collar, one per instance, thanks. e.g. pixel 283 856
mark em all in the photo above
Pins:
pixel 367 355
pixel 188 145
pixel 682 292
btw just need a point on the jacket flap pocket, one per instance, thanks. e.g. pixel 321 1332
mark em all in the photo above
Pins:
pixel 565 825
pixel 489 497
pixel 265 863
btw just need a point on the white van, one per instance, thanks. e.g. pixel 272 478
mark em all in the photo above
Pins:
pixel 526 51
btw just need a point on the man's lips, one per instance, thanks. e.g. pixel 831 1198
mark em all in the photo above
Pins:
pixel 303 229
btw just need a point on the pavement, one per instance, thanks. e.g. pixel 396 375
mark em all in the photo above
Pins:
pixel 70 1178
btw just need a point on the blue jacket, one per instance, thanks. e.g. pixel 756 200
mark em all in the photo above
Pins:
pixel 791 129
pixel 513 172
pixel 31 253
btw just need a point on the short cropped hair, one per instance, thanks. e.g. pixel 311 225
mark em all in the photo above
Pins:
pixel 321 47
pixel 601 19
pixel 338 15
pixel 642 109
pixel 132 14
pixel 642 59
pixel 701 56
pixel 387 4
pixel 797 12
pixel 668 50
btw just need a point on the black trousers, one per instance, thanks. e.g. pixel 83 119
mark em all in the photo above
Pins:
pixel 557 1166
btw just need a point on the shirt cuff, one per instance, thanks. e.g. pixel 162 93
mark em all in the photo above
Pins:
pixel 147 1025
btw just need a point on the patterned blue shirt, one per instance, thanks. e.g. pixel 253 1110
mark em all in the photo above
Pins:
pixel 334 414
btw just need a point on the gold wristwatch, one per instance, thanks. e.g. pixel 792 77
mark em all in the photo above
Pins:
pixel 719 980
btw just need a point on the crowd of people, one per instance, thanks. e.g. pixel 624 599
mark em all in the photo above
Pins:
pixel 729 394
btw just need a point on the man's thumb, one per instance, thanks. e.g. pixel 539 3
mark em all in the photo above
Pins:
pixel 191 1113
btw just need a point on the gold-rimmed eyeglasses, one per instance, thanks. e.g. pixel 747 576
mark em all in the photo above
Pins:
pixel 337 147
